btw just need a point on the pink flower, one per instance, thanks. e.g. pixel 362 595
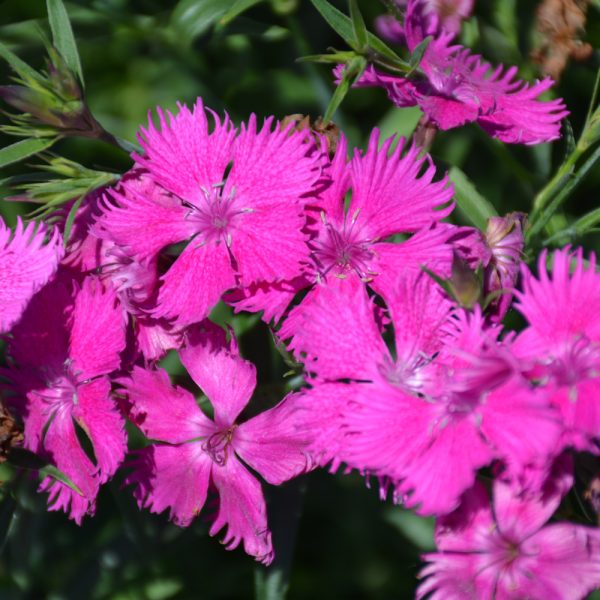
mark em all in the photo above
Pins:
pixel 135 281
pixel 393 192
pixel 243 225
pixel 194 453
pixel 506 551
pixel 563 339
pixel 449 401
pixel 65 346
pixel 458 87
pixel 26 264
pixel 450 13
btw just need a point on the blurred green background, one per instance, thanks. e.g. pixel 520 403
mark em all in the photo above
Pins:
pixel 143 53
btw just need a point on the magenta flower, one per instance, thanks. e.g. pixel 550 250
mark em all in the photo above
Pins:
pixel 26 264
pixel 194 453
pixel 134 280
pixel 563 340
pixel 243 225
pixel 65 346
pixel 458 87
pixel 393 192
pixel 449 402
pixel 450 13
pixel 506 551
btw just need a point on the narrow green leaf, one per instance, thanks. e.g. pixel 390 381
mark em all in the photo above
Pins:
pixel 237 9
pixel 23 149
pixel 358 25
pixel 418 530
pixel 7 511
pixel 342 25
pixel 335 58
pixel 417 56
pixel 18 65
pixel 191 18
pixel 352 72
pixel 52 471
pixel 71 218
pixel 62 36
pixel 470 203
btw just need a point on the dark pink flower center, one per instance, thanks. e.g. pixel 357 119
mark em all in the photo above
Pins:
pixel 218 445
pixel 215 216
pixel 343 250
pixel 575 362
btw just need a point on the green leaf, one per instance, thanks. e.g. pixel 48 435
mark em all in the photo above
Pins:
pixel 352 71
pixel 25 459
pixel 417 56
pixel 71 219
pixel 342 25
pixel 19 66
pixel 469 202
pixel 237 9
pixel 7 511
pixel 191 18
pixel 417 530
pixel 62 36
pixel 358 25
pixel 23 149
pixel 52 471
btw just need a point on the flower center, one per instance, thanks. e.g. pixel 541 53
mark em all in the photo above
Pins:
pixel 578 360
pixel 217 446
pixel 343 251
pixel 214 216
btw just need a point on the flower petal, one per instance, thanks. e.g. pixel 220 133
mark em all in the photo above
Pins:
pixel 242 510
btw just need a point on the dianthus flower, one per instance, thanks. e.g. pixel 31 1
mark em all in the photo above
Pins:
pixel 26 264
pixel 134 280
pixel 449 401
pixel 237 199
pixel 451 14
pixel 505 551
pixel 563 340
pixel 193 453
pixel 64 347
pixel 393 192
pixel 457 87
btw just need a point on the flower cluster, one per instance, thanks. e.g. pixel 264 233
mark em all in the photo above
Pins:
pixel 342 255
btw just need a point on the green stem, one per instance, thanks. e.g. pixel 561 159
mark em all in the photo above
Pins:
pixel 285 509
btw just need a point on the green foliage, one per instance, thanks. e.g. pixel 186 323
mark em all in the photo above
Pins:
pixel 63 38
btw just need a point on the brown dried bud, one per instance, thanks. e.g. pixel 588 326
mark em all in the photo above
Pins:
pixel 329 133
pixel 561 24
pixel 11 434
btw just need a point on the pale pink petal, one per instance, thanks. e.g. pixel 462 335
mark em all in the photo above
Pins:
pixel 164 412
pixel 142 218
pixel 272 298
pixel 242 511
pixel 269 245
pixel 396 193
pixel 26 264
pixel 435 480
pixel 566 563
pixel 340 311
pixel 426 248
pixel 97 414
pixel 194 283
pixel 183 156
pixel 514 408
pixel 97 331
pixel 520 515
pixel 272 167
pixel 217 368
pixel 174 477
pixel 273 443
pixel 156 337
